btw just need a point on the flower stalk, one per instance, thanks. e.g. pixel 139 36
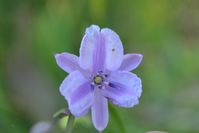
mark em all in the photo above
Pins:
pixel 69 126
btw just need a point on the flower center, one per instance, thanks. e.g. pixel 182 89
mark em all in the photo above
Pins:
pixel 98 79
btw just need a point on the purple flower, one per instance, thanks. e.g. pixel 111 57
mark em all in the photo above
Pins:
pixel 99 74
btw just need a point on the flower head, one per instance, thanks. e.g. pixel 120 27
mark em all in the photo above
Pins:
pixel 99 74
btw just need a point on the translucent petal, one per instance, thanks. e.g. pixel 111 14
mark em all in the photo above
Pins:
pixel 124 89
pixel 78 92
pixel 99 111
pixel 88 46
pixel 114 49
pixel 68 62
pixel 131 61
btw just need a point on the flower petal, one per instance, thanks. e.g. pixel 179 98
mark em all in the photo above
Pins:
pixel 78 92
pixel 68 62
pixel 124 89
pixel 131 61
pixel 114 49
pixel 100 111
pixel 99 54
pixel 88 47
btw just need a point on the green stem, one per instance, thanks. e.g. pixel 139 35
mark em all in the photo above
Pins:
pixel 69 126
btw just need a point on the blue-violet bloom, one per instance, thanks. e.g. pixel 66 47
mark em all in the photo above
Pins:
pixel 99 74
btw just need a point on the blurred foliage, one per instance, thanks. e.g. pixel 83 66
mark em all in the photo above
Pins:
pixel 165 31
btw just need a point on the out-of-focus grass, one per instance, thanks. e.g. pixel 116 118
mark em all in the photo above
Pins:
pixel 166 32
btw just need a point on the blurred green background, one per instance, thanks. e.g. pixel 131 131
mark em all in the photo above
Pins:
pixel 165 31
